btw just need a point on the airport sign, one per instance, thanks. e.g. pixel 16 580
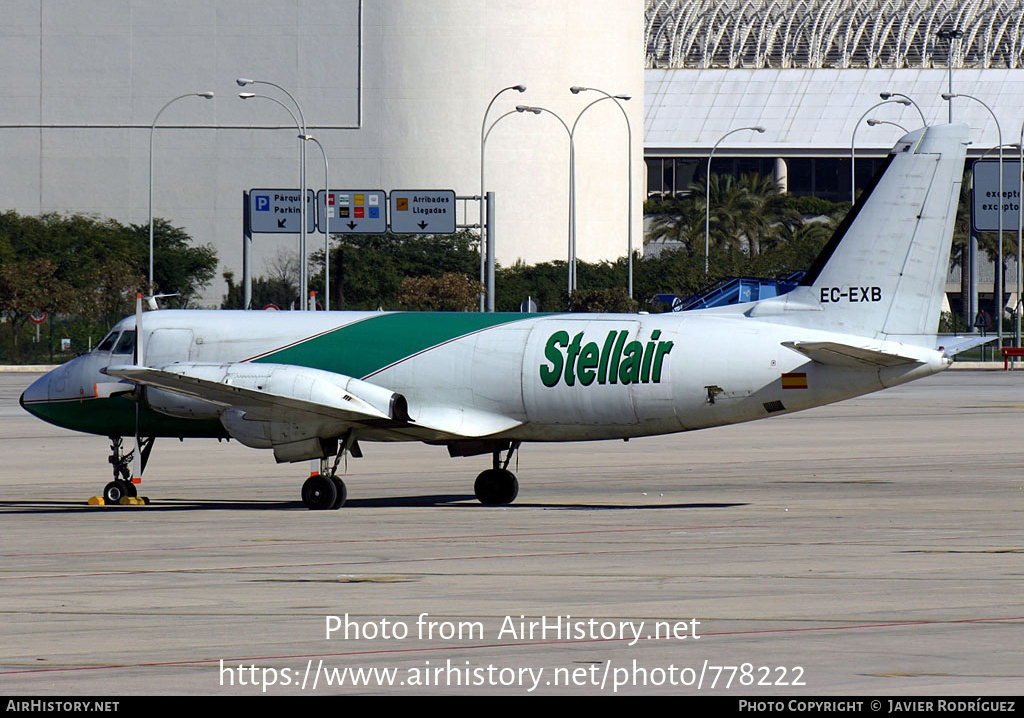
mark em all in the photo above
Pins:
pixel 278 211
pixel 352 211
pixel 423 211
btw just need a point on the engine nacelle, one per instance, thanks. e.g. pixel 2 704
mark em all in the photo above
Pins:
pixel 277 407
pixel 181 406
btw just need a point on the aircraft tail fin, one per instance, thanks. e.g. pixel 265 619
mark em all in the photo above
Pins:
pixel 883 273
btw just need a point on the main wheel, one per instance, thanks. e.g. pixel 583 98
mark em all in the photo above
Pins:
pixel 339 485
pixel 496 487
pixel 319 493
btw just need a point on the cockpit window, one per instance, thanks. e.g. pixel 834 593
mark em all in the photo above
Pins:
pixel 126 345
pixel 108 343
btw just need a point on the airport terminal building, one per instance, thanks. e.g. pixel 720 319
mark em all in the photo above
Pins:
pixel 812 74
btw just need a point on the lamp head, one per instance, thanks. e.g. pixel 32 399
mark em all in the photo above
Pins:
pixel 208 95
pixel 519 88
pixel 243 81
pixel 527 108
pixel 576 89
pixel 246 95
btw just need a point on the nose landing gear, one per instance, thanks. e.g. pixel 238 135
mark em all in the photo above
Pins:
pixel 498 486
pixel 122 485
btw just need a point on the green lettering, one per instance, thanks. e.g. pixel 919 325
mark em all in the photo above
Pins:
pixel 663 350
pixel 587 363
pixel 645 370
pixel 550 375
pixel 613 372
pixel 602 369
pixel 570 359
pixel 629 370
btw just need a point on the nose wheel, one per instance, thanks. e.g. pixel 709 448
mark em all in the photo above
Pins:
pixel 498 486
pixel 118 489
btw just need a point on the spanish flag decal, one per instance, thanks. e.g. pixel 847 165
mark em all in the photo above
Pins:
pixel 794 381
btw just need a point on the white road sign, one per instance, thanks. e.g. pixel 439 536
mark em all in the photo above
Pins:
pixel 277 211
pixel 423 211
pixel 985 198
pixel 353 211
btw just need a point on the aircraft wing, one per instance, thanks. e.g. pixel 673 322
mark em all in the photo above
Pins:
pixel 298 395
pixel 847 355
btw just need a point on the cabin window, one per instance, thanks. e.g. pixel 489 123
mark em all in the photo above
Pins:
pixel 108 342
pixel 126 345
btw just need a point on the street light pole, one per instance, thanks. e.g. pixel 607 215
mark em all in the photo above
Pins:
pixel 487 257
pixel 853 160
pixel 950 35
pixel 303 269
pixel 302 200
pixel 707 193
pixel 484 132
pixel 152 129
pixel 1000 279
pixel 571 283
pixel 327 222
pixel 629 169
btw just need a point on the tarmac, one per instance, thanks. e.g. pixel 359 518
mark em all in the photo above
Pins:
pixel 872 547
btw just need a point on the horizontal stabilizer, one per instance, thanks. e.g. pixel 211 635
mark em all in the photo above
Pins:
pixel 845 355
pixel 958 345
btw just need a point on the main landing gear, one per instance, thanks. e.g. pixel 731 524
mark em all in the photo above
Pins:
pixel 323 490
pixel 498 486
pixel 122 485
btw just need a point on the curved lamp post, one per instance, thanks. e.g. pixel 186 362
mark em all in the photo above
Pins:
pixel 302 203
pixel 152 130
pixel 571 282
pixel 303 269
pixel 327 222
pixel 484 229
pixel 707 193
pixel 906 102
pixel 890 95
pixel 629 169
pixel 1000 289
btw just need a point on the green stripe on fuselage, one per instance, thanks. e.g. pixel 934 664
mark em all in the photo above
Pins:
pixel 365 347
pixel 115 416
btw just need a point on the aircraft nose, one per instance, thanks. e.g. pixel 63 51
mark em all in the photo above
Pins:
pixel 37 392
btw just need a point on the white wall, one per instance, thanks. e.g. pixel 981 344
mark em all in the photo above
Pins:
pixel 429 68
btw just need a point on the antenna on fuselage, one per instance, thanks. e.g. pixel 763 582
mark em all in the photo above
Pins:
pixel 151 300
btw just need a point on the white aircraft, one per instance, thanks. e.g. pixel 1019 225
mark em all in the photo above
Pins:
pixel 312 385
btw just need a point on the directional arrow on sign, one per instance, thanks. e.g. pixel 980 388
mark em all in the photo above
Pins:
pixel 280 223
pixel 352 225
pixel 423 225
